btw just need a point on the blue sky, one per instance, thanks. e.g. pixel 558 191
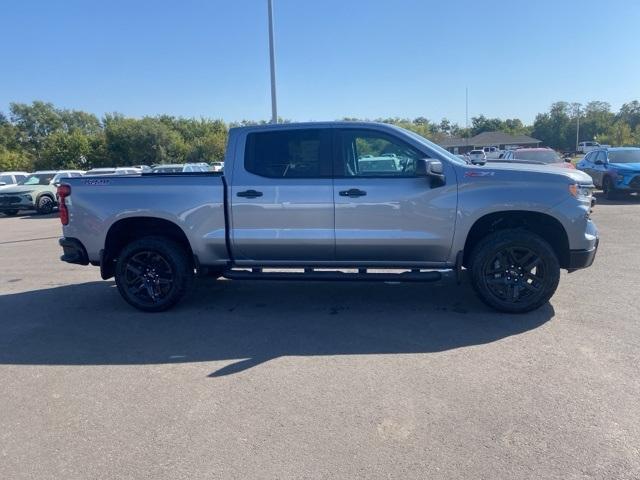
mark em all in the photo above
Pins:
pixel 335 58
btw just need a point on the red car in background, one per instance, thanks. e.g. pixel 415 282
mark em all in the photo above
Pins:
pixel 546 156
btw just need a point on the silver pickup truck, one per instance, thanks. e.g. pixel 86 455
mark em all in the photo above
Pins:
pixel 334 201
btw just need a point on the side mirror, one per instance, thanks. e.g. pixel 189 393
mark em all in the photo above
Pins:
pixel 433 169
pixel 598 162
pixel 2 184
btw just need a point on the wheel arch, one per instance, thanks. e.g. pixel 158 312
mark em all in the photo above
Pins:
pixel 126 230
pixel 45 194
pixel 542 224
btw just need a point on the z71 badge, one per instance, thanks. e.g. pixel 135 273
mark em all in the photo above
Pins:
pixel 472 173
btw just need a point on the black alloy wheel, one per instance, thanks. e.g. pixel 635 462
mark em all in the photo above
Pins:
pixel 153 273
pixel 514 271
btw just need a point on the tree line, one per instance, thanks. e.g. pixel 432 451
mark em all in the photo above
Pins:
pixel 40 136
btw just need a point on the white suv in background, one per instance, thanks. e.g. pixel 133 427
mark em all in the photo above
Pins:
pixel 491 152
pixel 586 147
pixel 478 156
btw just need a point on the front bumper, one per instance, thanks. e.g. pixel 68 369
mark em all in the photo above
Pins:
pixel 582 258
pixel 15 202
pixel 73 251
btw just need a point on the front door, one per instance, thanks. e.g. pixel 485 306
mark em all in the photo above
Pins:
pixel 599 167
pixel 282 197
pixel 383 211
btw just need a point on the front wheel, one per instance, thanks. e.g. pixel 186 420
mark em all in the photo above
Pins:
pixel 609 189
pixel 514 271
pixel 45 205
pixel 153 273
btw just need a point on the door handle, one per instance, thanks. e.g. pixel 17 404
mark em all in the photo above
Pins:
pixel 352 192
pixel 249 194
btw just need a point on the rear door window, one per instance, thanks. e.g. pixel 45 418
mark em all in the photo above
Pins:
pixel 296 153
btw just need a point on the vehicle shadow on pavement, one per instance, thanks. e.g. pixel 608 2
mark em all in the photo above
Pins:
pixel 248 323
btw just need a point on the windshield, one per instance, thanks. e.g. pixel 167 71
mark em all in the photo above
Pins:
pixel 624 156
pixel 167 170
pixel 100 172
pixel 544 156
pixel 448 155
pixel 38 179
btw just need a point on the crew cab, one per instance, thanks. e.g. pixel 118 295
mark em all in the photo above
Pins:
pixel 309 202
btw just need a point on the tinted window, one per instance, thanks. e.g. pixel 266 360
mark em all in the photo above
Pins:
pixel 289 154
pixel 624 156
pixel 367 153
pixel 6 179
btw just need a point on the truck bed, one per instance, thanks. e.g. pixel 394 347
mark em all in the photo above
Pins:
pixel 193 201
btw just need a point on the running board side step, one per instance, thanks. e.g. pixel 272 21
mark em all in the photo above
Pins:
pixel 334 275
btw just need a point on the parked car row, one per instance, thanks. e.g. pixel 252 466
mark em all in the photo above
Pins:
pixel 536 156
pixel 37 191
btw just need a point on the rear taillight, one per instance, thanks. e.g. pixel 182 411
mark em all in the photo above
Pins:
pixel 63 192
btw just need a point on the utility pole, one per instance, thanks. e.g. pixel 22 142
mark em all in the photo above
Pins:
pixel 272 61
pixel 466 113
pixel 577 130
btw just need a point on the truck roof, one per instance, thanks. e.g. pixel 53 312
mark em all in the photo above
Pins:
pixel 327 124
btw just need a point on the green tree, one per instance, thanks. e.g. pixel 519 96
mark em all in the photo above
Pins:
pixel 14 160
pixel 34 123
pixel 209 148
pixel 554 128
pixel 630 114
pixel 65 150
pixel 146 141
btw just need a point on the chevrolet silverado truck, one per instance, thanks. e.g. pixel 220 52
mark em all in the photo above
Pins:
pixel 307 202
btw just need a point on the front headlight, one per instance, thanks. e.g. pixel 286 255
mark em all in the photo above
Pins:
pixel 581 192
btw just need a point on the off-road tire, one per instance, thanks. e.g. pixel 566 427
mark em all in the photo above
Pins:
pixel 173 264
pixel 495 267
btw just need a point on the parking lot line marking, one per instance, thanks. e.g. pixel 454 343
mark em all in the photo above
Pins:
pixel 29 240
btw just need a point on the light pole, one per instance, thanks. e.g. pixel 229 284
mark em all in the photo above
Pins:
pixel 272 61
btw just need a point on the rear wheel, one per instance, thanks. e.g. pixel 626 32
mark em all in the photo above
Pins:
pixel 45 205
pixel 514 271
pixel 153 273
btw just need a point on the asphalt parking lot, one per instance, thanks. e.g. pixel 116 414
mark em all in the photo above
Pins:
pixel 317 380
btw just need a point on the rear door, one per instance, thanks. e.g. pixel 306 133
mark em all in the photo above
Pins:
pixel 384 212
pixel 282 197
